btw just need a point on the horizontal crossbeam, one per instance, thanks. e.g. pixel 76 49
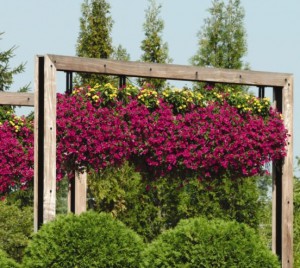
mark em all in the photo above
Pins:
pixel 16 99
pixel 168 71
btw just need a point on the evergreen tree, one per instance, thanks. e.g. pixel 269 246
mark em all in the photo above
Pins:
pixel 94 39
pixel 222 40
pixel 7 74
pixel 120 53
pixel 155 50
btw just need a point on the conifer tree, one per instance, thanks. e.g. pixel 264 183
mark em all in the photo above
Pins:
pixel 222 40
pixel 94 39
pixel 7 74
pixel 155 50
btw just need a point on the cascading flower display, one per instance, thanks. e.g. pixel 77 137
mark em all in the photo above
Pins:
pixel 178 133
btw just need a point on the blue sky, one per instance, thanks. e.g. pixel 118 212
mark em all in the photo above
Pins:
pixel 51 27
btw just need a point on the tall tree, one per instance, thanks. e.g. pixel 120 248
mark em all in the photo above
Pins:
pixel 155 50
pixel 94 39
pixel 222 40
pixel 7 74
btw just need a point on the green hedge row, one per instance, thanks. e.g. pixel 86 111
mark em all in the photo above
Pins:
pixel 99 240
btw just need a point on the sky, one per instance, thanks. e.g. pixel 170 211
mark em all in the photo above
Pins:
pixel 39 27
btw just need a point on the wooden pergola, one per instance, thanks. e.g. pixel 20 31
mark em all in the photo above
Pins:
pixel 44 102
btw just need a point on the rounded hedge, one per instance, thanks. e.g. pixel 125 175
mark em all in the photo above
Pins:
pixel 88 240
pixel 6 262
pixel 200 243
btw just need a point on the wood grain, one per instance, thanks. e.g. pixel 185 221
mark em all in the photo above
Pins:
pixel 17 99
pixel 168 71
pixel 49 141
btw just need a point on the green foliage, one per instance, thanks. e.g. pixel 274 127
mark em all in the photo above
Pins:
pixel 94 39
pixel 6 262
pixel 16 227
pixel 6 78
pixel 222 40
pixel 120 53
pixel 297 217
pixel 6 72
pixel 201 243
pixel 149 208
pixel 62 196
pixel 155 50
pixel 21 198
pixel 88 240
pixel 122 193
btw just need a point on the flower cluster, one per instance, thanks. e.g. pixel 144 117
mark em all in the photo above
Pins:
pixel 149 97
pixel 16 158
pixel 212 135
pixel 182 99
pixel 107 94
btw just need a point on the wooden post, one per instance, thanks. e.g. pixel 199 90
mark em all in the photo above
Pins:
pixel 282 203
pixel 287 178
pixel 277 187
pixel 44 142
pixel 77 193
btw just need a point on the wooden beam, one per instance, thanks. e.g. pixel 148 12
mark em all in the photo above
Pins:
pixel 44 142
pixel 287 178
pixel 16 99
pixel 168 71
pixel 80 191
pixel 49 141
pixel 77 193
pixel 277 187
pixel 38 142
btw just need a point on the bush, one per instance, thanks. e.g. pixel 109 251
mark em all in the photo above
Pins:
pixel 6 262
pixel 88 240
pixel 16 227
pixel 150 207
pixel 199 242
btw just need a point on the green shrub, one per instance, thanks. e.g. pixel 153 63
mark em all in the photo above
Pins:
pixel 16 228
pixel 6 262
pixel 88 240
pixel 200 243
pixel 150 207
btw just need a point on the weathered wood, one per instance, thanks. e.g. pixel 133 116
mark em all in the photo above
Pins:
pixel 38 142
pixel 77 199
pixel 16 98
pixel 168 71
pixel 277 186
pixel 287 178
pixel 49 141
pixel 44 142
pixel 80 192
pixel 282 203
